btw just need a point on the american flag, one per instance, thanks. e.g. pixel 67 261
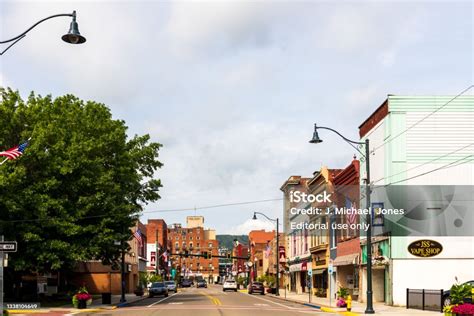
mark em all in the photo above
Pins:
pixel 14 152
pixel 138 235
pixel 267 250
pixel 352 217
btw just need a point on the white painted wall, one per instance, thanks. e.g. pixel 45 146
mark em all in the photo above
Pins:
pixel 428 274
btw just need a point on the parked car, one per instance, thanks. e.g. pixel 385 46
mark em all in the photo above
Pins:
pixel 201 283
pixel 158 288
pixel 171 286
pixel 186 283
pixel 230 285
pixel 256 287
pixel 446 294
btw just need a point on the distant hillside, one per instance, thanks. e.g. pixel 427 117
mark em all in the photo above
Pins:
pixel 227 241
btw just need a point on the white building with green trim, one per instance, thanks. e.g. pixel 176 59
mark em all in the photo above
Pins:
pixel 420 141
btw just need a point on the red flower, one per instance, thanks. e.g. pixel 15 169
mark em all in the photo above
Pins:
pixel 464 309
pixel 83 296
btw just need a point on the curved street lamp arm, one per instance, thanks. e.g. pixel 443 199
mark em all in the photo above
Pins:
pixel 270 219
pixel 346 139
pixel 19 37
pixel 350 142
pixel 34 25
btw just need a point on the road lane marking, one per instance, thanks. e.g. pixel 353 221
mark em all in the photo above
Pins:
pixel 157 302
pixel 272 302
pixel 175 303
pixel 213 299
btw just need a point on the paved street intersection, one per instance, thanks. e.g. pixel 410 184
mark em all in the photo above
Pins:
pixel 212 301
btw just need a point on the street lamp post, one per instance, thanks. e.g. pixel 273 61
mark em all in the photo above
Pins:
pixel 316 140
pixel 277 249
pixel 72 37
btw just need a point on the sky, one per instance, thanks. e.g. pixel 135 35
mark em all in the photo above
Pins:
pixel 232 88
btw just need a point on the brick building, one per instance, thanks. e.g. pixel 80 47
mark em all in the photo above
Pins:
pixel 157 230
pixel 99 278
pixel 346 262
pixel 195 240
pixel 259 240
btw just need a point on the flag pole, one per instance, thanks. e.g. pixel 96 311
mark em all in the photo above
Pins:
pixel 1 163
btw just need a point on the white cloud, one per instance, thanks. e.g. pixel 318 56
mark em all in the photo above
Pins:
pixel 250 224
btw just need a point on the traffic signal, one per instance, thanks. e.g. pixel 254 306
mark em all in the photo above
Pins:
pixel 209 255
pixel 186 253
pixel 229 255
pixel 204 255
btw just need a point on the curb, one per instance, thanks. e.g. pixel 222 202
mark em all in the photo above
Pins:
pixel 125 304
pixel 326 309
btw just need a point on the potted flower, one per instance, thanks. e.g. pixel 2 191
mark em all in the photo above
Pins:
pixel 464 309
pixel 341 302
pixel 341 297
pixel 82 298
pixel 448 310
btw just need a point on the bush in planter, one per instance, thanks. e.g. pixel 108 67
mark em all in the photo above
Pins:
pixel 459 292
pixel 5 312
pixel 139 291
pixel 341 302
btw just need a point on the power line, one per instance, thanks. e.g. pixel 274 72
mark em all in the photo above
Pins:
pixel 449 165
pixel 422 119
pixel 189 209
pixel 423 164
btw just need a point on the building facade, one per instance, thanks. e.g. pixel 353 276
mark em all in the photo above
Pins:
pixel 419 141
pixel 185 242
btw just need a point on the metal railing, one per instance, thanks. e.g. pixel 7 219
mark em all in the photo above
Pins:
pixel 425 299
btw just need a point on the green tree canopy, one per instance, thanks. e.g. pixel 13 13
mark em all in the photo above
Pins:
pixel 79 186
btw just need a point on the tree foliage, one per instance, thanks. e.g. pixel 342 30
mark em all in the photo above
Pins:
pixel 79 186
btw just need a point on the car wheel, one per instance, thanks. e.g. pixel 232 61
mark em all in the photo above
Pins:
pixel 235 290
pixel 150 296
pixel 166 295
pixel 446 300
pixel 263 293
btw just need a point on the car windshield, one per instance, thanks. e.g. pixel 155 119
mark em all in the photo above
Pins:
pixel 230 281
pixel 169 282
pixel 257 283
pixel 157 284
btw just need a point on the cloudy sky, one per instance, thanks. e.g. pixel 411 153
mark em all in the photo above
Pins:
pixel 232 89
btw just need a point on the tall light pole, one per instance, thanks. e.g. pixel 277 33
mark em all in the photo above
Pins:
pixel 277 249
pixel 72 37
pixel 316 140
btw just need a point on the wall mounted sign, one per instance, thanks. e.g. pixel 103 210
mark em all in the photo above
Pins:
pixel 425 248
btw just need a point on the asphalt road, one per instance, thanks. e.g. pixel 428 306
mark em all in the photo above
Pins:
pixel 212 302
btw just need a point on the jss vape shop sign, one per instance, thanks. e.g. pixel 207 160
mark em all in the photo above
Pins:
pixel 425 248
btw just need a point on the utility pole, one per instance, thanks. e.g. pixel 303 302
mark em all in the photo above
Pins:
pixel 1 278
pixel 157 253
pixel 122 298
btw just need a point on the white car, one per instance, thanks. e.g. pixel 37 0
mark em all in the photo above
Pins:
pixel 230 285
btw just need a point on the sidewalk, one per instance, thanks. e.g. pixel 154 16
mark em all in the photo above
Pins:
pixel 96 306
pixel 357 308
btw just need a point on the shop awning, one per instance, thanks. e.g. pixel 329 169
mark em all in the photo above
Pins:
pixel 318 271
pixel 346 260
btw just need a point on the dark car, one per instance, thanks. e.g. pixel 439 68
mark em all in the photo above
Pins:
pixel 201 283
pixel 158 288
pixel 256 287
pixel 446 294
pixel 186 283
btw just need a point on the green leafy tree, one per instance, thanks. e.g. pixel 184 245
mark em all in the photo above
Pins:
pixel 80 185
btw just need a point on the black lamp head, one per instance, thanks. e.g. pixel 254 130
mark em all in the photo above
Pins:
pixel 73 36
pixel 315 139
pixel 254 216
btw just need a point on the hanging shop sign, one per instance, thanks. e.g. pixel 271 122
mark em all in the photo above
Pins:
pixel 425 248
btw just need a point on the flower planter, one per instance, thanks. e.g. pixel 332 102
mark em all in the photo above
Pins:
pixel 81 304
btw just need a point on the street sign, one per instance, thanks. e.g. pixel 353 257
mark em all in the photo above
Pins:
pixel 310 272
pixel 8 246
pixel 330 269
